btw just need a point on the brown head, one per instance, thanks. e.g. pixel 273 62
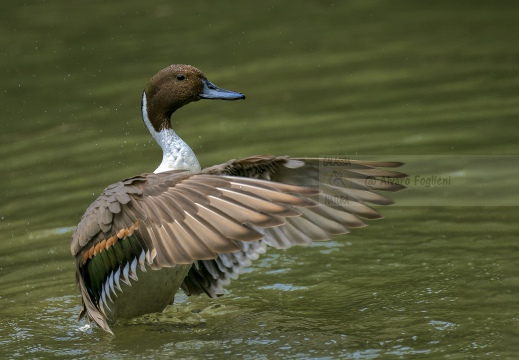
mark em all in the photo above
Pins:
pixel 176 86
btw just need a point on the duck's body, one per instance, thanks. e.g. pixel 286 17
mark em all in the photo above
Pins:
pixel 147 236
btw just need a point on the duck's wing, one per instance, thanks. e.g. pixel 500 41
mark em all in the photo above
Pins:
pixel 174 218
pixel 344 187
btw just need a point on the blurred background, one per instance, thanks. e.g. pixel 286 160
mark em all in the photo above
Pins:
pixel 404 80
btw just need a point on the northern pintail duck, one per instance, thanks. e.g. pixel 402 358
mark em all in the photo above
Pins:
pixel 183 227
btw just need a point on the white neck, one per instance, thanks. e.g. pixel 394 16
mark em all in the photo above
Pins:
pixel 176 154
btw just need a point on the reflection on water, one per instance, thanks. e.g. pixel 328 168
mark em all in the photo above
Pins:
pixel 398 79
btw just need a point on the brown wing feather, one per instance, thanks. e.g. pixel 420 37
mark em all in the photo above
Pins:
pixel 342 200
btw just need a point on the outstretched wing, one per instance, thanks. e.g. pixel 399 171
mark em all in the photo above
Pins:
pixel 345 187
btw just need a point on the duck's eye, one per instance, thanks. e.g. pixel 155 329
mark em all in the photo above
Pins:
pixel 180 77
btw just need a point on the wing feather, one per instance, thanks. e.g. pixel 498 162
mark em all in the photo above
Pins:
pixel 341 208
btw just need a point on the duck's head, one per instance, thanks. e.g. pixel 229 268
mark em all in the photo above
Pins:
pixel 176 86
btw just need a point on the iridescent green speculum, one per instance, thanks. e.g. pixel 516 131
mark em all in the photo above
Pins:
pixel 97 269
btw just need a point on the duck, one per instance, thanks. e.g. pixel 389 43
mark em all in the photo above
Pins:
pixel 184 227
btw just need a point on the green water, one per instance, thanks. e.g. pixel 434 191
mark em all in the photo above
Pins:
pixel 404 80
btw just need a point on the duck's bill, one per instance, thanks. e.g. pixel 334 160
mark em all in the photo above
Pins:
pixel 211 91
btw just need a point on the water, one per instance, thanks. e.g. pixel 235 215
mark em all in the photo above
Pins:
pixel 403 80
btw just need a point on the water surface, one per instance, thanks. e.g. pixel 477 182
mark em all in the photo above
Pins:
pixel 360 78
